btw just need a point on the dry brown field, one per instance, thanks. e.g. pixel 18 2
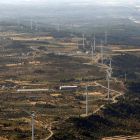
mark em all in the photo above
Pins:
pixel 30 39
pixel 127 50
pixel 11 34
pixel 122 137
pixel 68 44
pixel 66 103
pixel 64 49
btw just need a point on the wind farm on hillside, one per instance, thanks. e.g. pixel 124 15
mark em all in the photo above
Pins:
pixel 68 80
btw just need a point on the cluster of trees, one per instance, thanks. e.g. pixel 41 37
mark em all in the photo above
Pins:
pixel 126 60
pixel 68 80
pixel 121 118
pixel 115 119
pixel 45 106
pixel 17 46
pixel 118 35
pixel 60 34
pixel 126 63
pixel 35 41
pixel 39 71
pixel 42 48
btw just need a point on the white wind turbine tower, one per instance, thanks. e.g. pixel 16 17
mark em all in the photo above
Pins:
pixel 71 29
pixel 108 85
pixel 83 40
pixel 32 120
pixel 31 23
pixel 94 43
pixel 0 17
pixel 86 98
pixel 18 20
pixel 110 65
pixel 102 53
pixel 36 25
pixel 41 136
pixel 105 37
pixel 92 46
pixel 125 77
pixel 92 51
pixel 58 24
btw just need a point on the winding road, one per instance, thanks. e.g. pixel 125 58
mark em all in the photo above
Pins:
pixel 97 84
pixel 46 126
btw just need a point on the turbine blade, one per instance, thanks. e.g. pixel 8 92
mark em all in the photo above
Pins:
pixel 38 110
pixel 91 38
pixel 82 91
pixel 113 61
pixel 106 61
pixel 31 124
pixel 26 111
pixel 119 76
pixel 87 84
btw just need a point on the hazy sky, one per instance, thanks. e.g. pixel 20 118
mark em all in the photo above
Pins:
pixel 109 2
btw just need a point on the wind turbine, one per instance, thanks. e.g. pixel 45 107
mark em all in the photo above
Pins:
pixel 32 119
pixel 94 43
pixel 108 85
pixel 18 20
pixel 36 25
pixel 125 77
pixel 110 65
pixel 102 53
pixel 83 40
pixel 41 136
pixel 0 17
pixel 72 29
pixel 31 23
pixel 58 24
pixel 86 98
pixel 92 47
pixel 105 37
pixel 92 51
